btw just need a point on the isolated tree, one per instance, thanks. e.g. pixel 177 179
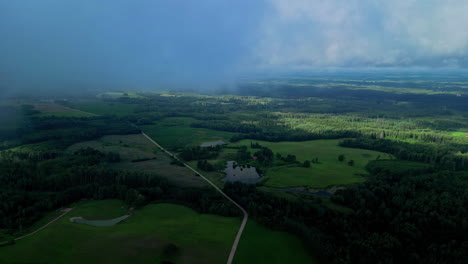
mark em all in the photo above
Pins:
pixel 351 163
pixel 341 157
pixel 306 164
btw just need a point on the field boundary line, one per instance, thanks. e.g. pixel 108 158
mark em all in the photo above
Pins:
pixel 44 226
pixel 246 215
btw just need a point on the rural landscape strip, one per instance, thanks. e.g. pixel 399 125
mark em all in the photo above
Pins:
pixel 30 234
pixel 246 215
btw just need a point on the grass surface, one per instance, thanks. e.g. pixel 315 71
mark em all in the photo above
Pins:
pixel 139 239
pixel 260 245
pixel 201 238
pixel 459 134
pixel 175 132
pixel 329 172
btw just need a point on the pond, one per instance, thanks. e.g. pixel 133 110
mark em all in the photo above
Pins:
pixel 245 174
pixel 100 223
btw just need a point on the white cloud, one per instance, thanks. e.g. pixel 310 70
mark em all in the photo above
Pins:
pixel 364 32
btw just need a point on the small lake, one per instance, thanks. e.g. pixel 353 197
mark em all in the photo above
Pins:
pixel 100 223
pixel 244 174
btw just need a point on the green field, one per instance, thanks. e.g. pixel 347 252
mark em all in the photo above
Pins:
pixel 459 134
pixel 261 245
pixel 104 108
pixel 139 239
pixel 142 237
pixel 175 132
pixel 329 172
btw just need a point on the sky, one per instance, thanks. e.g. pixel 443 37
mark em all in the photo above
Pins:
pixel 48 45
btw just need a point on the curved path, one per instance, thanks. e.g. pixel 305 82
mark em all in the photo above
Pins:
pixel 246 215
pixel 30 234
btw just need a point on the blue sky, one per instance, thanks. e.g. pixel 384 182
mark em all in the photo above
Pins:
pixel 144 44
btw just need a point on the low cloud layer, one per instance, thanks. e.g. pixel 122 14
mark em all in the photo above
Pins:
pixel 123 44
pixel 366 33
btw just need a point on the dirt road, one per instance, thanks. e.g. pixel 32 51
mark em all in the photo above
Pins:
pixel 65 211
pixel 246 215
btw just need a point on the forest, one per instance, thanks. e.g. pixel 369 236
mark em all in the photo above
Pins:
pixel 409 208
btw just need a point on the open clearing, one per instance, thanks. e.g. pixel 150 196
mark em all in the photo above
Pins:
pixel 139 239
pixel 175 132
pixel 133 148
pixel 329 172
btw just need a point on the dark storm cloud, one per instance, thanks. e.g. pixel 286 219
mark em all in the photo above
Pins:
pixel 123 44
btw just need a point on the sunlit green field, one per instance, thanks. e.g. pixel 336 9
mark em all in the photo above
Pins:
pixel 459 134
pixel 330 171
pixel 175 132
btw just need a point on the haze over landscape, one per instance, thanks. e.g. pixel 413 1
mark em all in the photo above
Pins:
pixel 59 45
pixel 234 131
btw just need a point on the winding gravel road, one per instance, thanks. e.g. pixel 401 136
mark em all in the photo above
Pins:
pixel 65 211
pixel 246 215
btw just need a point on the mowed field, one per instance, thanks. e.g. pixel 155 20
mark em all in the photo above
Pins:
pixel 138 154
pixel 175 133
pixel 139 239
pixel 329 172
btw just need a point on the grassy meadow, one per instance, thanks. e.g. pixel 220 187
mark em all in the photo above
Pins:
pixel 139 239
pixel 143 237
pixel 330 171
pixel 175 132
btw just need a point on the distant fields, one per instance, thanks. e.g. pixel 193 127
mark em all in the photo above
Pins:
pixel 136 147
pixel 104 108
pixel 330 171
pixel 175 132
pixel 53 109
pixel 116 95
pixel 139 239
